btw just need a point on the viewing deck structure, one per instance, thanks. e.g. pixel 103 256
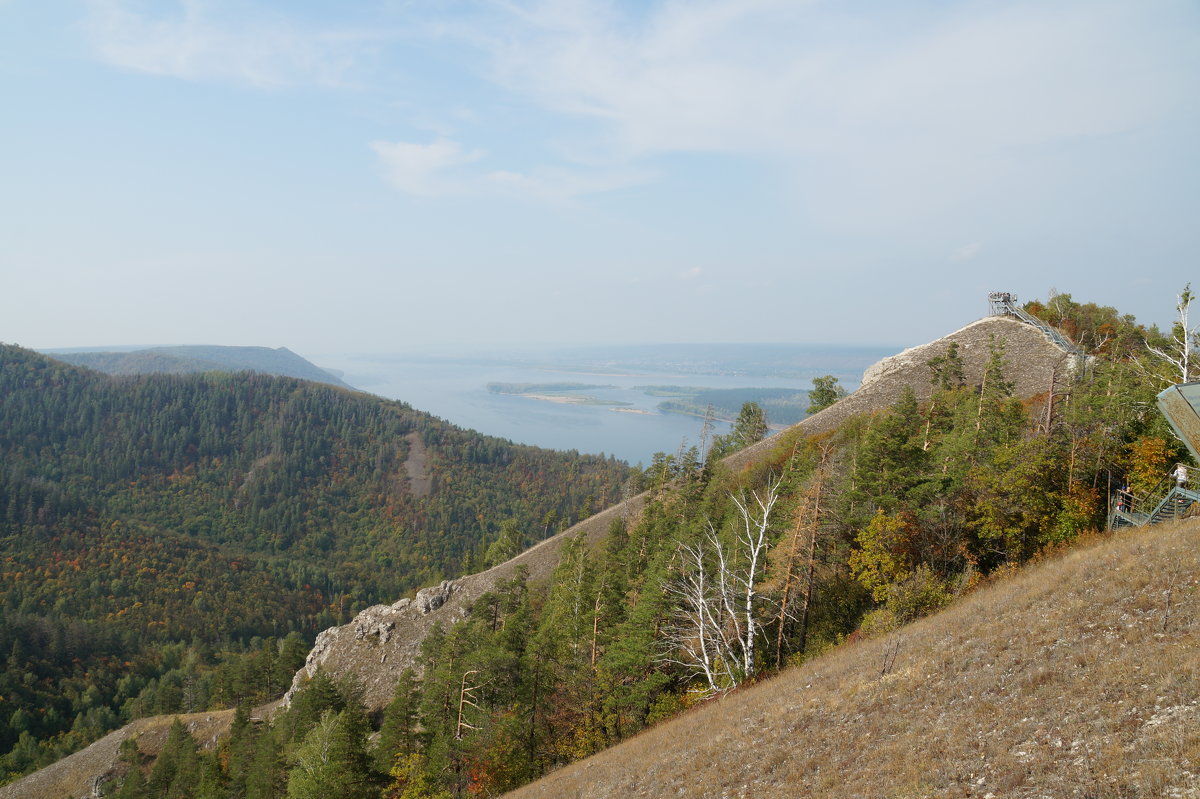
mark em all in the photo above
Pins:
pixel 1171 498
pixel 1004 303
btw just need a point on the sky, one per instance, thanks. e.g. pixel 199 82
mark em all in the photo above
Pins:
pixel 470 175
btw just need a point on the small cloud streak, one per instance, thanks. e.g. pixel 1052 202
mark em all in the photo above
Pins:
pixel 557 184
pixel 191 45
pixel 422 168
pixel 435 170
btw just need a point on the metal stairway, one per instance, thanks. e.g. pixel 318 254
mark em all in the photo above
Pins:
pixel 1004 303
pixel 1174 505
pixel 1168 501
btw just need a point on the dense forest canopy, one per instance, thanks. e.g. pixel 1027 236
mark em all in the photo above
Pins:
pixel 171 542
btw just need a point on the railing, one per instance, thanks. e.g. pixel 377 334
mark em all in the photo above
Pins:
pixel 1169 499
pixel 1003 302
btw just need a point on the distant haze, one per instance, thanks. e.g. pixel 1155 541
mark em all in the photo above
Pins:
pixel 424 176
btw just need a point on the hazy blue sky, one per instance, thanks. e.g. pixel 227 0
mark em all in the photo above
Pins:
pixel 412 175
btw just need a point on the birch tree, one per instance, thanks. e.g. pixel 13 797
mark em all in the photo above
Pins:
pixel 1176 352
pixel 718 606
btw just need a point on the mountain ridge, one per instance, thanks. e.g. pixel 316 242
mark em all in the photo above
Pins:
pixel 191 359
pixel 379 663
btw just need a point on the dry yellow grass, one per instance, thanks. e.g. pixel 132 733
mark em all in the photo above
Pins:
pixel 1077 677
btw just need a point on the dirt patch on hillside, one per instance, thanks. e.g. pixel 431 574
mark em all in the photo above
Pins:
pixel 416 466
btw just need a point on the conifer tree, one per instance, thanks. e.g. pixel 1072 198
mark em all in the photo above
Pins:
pixel 398 733
pixel 266 778
pixel 891 460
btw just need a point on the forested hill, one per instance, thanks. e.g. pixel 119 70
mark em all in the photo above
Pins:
pixel 151 525
pixel 194 359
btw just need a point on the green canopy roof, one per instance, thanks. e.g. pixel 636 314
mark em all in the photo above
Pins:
pixel 1181 405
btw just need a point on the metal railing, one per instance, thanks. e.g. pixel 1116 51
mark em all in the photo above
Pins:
pixel 1003 302
pixel 1169 499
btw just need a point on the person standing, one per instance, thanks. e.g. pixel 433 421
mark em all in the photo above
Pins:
pixel 1181 475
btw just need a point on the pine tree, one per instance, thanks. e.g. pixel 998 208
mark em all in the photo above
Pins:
pixel 401 720
pixel 266 778
pixel 891 461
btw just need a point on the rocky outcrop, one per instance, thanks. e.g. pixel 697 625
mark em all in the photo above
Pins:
pixel 430 599
pixel 384 640
pixel 376 635
pixel 1034 365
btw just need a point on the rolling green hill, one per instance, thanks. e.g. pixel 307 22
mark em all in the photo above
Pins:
pixel 151 526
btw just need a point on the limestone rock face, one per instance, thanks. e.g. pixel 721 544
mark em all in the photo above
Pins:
pixel 375 621
pixel 1035 363
pixel 377 635
pixel 430 599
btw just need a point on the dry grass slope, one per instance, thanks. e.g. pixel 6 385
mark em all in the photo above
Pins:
pixel 1077 677
pixel 77 775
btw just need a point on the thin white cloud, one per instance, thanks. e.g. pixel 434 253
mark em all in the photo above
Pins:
pixel 189 41
pixel 904 112
pixel 426 169
pixel 965 253
pixel 438 169
pixel 901 112
pixel 783 76
pixel 557 184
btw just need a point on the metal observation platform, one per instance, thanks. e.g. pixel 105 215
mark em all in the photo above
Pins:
pixel 1174 496
pixel 1004 303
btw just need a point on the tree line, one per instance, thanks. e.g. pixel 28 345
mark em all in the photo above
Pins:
pixel 210 512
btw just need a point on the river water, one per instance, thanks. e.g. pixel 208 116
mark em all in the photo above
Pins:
pixel 456 389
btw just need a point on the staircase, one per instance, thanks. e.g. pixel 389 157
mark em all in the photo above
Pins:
pixel 1004 303
pixel 1161 505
